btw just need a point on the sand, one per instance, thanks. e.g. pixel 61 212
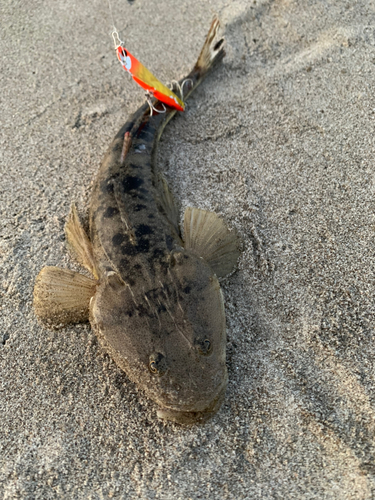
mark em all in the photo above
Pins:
pixel 279 142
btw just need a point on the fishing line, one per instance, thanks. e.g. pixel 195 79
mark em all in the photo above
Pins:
pixel 111 13
pixel 116 37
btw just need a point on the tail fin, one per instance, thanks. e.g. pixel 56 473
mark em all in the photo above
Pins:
pixel 213 49
pixel 211 55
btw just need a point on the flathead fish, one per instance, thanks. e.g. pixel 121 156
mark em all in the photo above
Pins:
pixel 154 301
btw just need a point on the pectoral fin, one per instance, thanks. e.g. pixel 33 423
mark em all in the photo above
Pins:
pixel 62 296
pixel 79 242
pixel 206 235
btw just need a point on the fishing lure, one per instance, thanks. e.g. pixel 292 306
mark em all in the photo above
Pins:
pixel 145 78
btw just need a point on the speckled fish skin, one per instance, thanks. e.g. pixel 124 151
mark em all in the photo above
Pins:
pixel 157 305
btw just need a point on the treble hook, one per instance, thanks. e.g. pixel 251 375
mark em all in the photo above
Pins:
pixel 180 87
pixel 152 107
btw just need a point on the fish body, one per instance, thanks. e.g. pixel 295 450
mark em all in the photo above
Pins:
pixel 156 303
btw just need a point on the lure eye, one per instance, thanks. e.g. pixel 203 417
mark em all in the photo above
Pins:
pixel 123 52
pixel 157 364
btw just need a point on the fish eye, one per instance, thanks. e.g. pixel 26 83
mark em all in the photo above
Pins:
pixel 204 346
pixel 153 367
pixel 157 364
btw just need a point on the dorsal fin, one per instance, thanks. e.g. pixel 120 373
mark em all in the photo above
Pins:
pixel 79 243
pixel 206 235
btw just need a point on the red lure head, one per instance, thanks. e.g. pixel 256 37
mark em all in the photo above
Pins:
pixel 147 80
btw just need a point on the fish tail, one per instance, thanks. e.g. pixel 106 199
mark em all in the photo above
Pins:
pixel 211 55
pixel 212 51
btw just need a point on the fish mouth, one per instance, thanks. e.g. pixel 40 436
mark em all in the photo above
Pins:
pixel 195 417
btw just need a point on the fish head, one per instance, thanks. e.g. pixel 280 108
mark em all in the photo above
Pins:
pixel 170 339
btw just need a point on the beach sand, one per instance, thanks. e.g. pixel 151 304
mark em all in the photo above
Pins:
pixel 279 142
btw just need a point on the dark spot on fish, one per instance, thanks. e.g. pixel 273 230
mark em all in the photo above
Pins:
pixel 118 239
pixel 190 284
pixel 129 249
pixel 142 230
pixel 169 241
pixel 124 264
pixel 140 207
pixel 131 182
pixel 143 190
pixel 161 308
pixel 110 212
pixel 107 186
pixel 157 253
pixel 142 246
pixel 218 44
pixel 137 195
pixel 151 216
pixel 187 289
pixel 164 267
pixel 143 310
pixel 146 134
